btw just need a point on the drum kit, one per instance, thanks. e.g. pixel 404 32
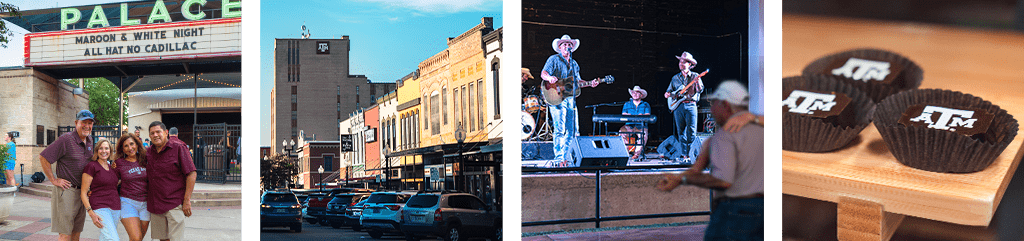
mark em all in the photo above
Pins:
pixel 533 109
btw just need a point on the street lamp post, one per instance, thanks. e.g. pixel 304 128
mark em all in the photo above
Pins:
pixel 387 168
pixel 319 179
pixel 460 137
pixel 288 148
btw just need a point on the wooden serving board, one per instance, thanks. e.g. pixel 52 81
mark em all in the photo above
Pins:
pixel 864 176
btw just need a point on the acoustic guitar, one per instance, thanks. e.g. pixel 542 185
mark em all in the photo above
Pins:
pixel 555 93
pixel 679 96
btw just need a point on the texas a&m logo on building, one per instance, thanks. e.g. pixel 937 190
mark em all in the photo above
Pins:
pixel 323 47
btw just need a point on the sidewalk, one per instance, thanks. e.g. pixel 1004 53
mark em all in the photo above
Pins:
pixel 687 232
pixel 30 220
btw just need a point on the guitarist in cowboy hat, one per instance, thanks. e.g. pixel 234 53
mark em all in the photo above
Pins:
pixel 565 121
pixel 685 112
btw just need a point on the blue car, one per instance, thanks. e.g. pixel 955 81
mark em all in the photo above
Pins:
pixel 280 209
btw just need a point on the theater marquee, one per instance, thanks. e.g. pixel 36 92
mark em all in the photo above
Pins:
pixel 163 41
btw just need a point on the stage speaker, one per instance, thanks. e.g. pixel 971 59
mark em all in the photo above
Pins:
pixel 600 151
pixel 538 150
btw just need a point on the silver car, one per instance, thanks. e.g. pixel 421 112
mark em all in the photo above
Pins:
pixel 451 216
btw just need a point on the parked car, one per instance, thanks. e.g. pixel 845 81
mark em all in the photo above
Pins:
pixel 352 214
pixel 316 208
pixel 381 213
pixel 342 190
pixel 280 209
pixel 336 208
pixel 451 216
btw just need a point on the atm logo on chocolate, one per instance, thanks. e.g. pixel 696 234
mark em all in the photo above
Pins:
pixel 865 70
pixel 816 104
pixel 966 121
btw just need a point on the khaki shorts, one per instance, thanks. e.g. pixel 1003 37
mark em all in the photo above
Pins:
pixel 67 215
pixel 169 225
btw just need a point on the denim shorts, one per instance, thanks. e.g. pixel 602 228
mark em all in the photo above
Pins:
pixel 109 230
pixel 133 209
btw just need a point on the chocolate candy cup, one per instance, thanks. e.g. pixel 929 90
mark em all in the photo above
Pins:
pixel 909 78
pixel 939 150
pixel 803 133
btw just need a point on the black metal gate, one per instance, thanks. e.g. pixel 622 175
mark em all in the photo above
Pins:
pixel 216 153
pixel 109 133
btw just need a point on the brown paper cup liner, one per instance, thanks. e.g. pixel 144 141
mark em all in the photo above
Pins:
pixel 810 134
pixel 909 78
pixel 938 150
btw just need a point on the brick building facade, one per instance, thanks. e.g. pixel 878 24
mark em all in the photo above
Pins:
pixel 35 105
pixel 314 89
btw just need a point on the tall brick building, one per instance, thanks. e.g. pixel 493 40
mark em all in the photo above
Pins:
pixel 314 89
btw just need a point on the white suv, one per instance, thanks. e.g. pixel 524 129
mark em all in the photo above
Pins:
pixel 382 212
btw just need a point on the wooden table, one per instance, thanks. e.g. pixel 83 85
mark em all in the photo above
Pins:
pixel 872 190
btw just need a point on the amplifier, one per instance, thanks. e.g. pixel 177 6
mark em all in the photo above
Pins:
pixel 600 151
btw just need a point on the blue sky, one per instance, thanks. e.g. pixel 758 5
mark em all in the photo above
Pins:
pixel 389 37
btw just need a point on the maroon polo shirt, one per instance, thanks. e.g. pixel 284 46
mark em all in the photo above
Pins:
pixel 175 139
pixel 133 179
pixel 71 155
pixel 166 172
pixel 104 187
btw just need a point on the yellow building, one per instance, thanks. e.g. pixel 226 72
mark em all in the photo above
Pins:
pixel 451 99
pixel 411 168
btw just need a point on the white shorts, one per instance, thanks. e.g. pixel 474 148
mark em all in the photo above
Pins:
pixel 133 209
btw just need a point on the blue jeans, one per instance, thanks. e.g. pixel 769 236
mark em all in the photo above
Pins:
pixel 565 126
pixel 737 220
pixel 110 220
pixel 686 126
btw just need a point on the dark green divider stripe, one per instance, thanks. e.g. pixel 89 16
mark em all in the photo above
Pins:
pixel 250 121
pixel 773 127
pixel 512 193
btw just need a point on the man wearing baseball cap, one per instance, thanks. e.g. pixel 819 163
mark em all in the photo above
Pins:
pixel 737 171
pixel 71 151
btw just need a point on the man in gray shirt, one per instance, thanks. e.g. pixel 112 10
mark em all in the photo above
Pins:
pixel 737 171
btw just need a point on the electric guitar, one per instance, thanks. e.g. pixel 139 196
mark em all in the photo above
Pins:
pixel 555 93
pixel 679 96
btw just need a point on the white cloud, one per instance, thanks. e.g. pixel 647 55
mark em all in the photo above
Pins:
pixel 13 54
pixel 442 6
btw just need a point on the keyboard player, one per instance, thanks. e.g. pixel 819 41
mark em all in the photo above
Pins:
pixel 636 106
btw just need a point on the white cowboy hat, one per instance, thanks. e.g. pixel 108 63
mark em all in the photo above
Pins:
pixel 565 38
pixel 687 57
pixel 527 73
pixel 636 88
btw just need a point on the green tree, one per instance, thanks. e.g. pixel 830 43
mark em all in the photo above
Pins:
pixel 276 171
pixel 5 34
pixel 103 101
pixel 3 161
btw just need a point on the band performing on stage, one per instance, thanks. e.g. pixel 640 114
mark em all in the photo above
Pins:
pixel 550 112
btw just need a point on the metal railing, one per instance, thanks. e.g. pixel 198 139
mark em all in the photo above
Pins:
pixel 215 154
pixel 597 219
